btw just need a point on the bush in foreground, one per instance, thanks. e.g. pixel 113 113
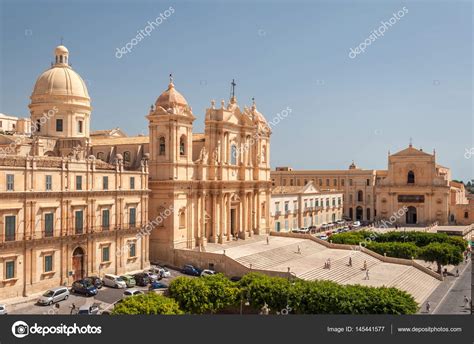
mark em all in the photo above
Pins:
pixel 150 303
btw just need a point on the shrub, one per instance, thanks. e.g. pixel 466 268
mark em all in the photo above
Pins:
pixel 395 249
pixel 205 294
pixel 150 303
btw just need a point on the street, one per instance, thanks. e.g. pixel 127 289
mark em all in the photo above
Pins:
pixel 106 297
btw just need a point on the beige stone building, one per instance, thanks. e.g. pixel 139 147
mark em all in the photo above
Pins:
pixel 294 207
pixel 63 213
pixel 413 181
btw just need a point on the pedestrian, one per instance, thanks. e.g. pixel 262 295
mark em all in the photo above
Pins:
pixel 365 265
pixel 466 302
pixel 428 306
pixel 268 240
pixel 457 272
pixel 299 249
pixel 350 261
pixel 367 274
pixel 73 308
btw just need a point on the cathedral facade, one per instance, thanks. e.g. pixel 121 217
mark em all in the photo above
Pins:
pixel 217 183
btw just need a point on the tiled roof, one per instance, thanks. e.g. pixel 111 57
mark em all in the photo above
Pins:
pixel 115 141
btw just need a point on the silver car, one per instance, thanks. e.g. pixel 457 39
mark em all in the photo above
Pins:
pixel 3 309
pixel 54 295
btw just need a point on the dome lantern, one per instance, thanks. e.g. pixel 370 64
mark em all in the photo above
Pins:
pixel 62 55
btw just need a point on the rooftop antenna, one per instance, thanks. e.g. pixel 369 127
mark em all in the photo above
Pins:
pixel 171 78
pixel 411 142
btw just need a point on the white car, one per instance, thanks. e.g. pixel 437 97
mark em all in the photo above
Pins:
pixel 132 292
pixel 207 272
pixel 304 230
pixel 114 281
pixel 325 226
pixel 162 272
pixel 3 310
pixel 152 275
pixel 356 224
pixel 54 295
pixel 323 237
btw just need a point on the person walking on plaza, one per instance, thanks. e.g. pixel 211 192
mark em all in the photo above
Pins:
pixel 466 302
pixel 73 308
pixel 457 272
pixel 365 265
pixel 329 263
pixel 367 274
pixel 428 306
pixel 268 240
pixel 299 249
pixel 350 261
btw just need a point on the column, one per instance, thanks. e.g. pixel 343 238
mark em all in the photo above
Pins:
pixel 215 220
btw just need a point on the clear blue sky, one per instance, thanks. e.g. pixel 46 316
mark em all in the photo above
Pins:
pixel 415 81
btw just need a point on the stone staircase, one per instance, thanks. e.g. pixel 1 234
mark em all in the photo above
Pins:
pixel 271 258
pixel 415 282
pixel 340 272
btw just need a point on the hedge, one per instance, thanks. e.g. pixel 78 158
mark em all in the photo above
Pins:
pixel 150 303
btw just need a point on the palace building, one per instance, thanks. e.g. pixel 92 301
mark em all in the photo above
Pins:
pixel 64 214
pixel 413 181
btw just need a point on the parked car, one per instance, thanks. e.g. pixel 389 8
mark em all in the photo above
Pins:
pixel 323 237
pixel 96 281
pixel 304 230
pixel 157 285
pixel 84 287
pixel 162 271
pixel 152 275
pixel 191 270
pixel 356 224
pixel 341 222
pixel 141 279
pixel 325 226
pixel 129 281
pixel 295 230
pixel 235 278
pixel 132 292
pixel 89 309
pixel 3 309
pixel 54 295
pixel 114 281
pixel 207 272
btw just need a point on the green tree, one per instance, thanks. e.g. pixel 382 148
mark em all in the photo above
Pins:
pixel 150 303
pixel 441 254
pixel 222 292
pixel 192 294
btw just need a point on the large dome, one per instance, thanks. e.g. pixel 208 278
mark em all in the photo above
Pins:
pixel 60 79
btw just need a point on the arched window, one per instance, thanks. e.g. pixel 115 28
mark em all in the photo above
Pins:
pixel 162 146
pixel 126 157
pixel 360 196
pixel 182 145
pixel 411 177
pixel 233 155
pixel 101 156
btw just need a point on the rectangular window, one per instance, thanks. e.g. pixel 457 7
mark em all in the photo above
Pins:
pixel 286 206
pixel 10 269
pixel 79 221
pixel 59 124
pixel 78 182
pixel 49 225
pixel 132 183
pixel 133 249
pixel 105 182
pixel 327 182
pixel 106 254
pixel 286 225
pixel 10 182
pixel 368 182
pixel 342 182
pixel 132 218
pixel 350 182
pixel 10 224
pixel 277 206
pixel 80 127
pixel 105 219
pixel 49 183
pixel 48 263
